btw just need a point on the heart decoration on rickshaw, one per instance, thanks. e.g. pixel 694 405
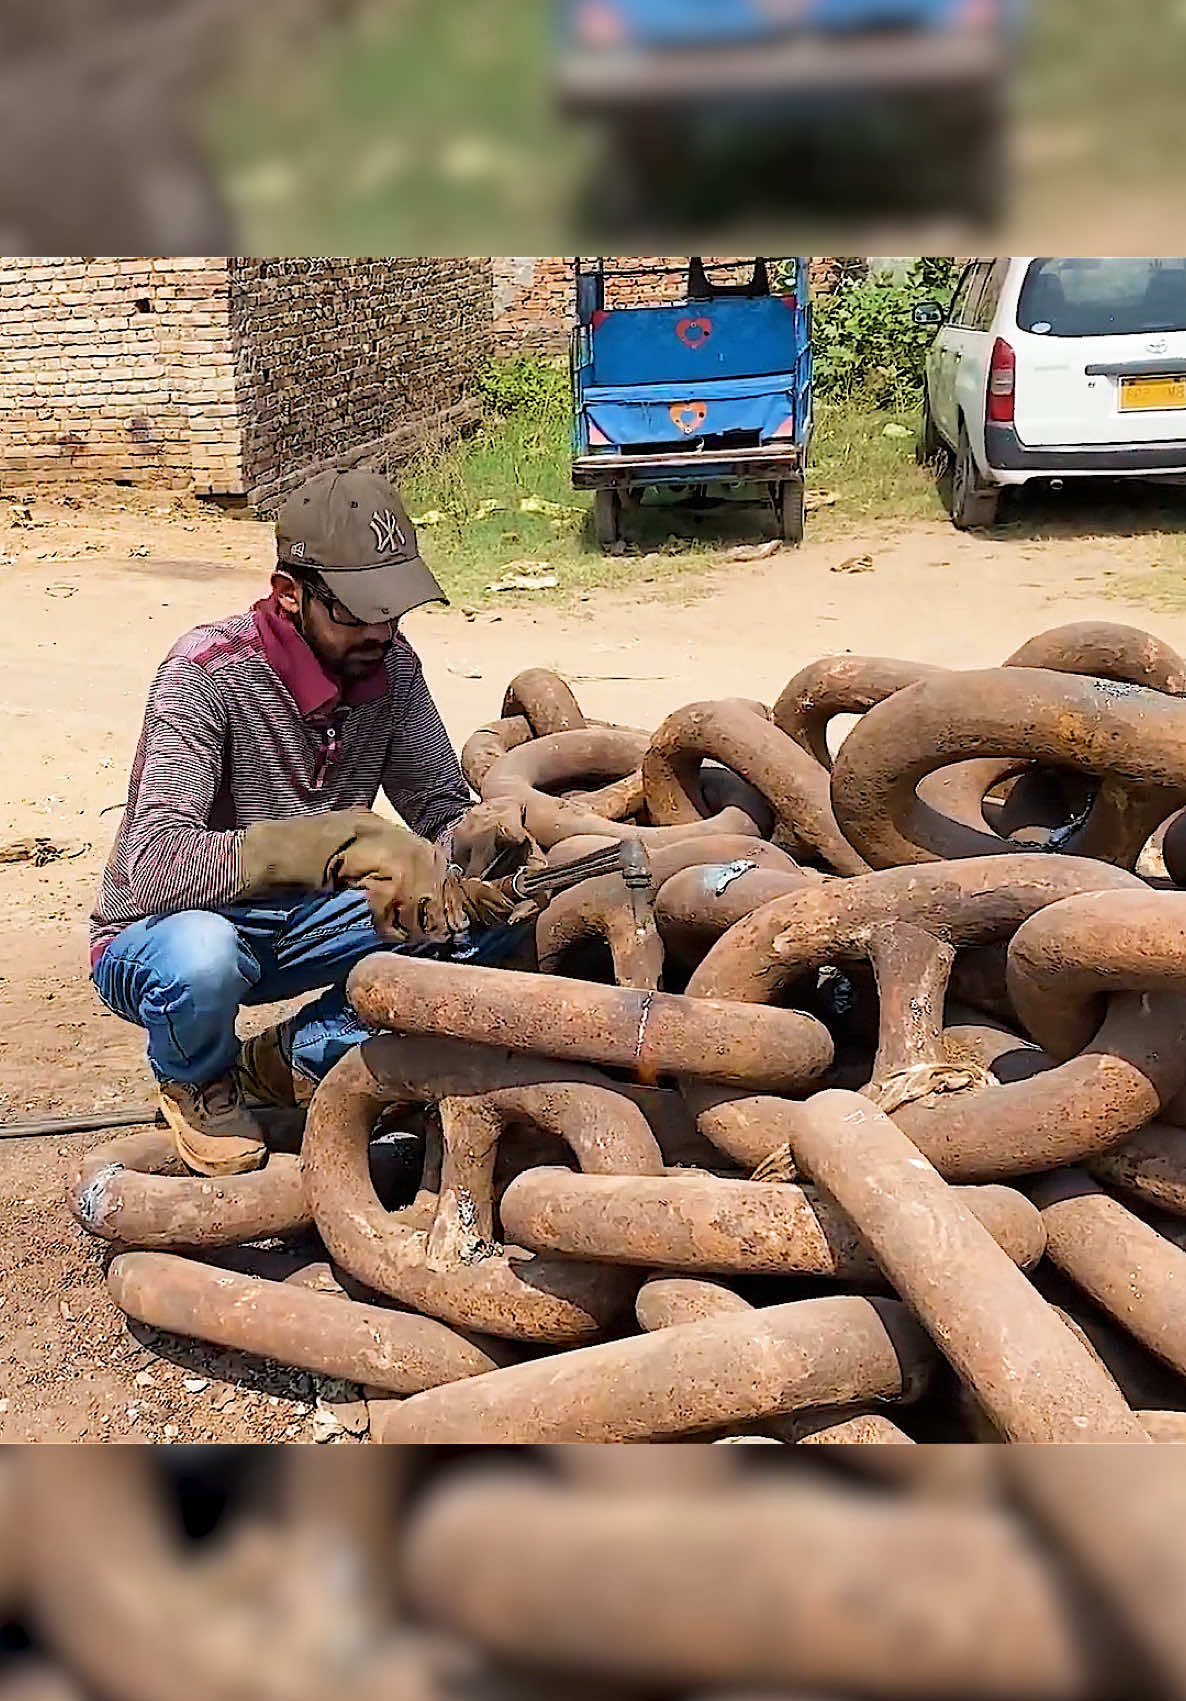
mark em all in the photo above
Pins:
pixel 688 417
pixel 694 332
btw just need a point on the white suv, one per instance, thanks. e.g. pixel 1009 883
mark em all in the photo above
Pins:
pixel 1053 369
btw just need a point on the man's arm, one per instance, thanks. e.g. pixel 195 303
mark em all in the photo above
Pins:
pixel 175 860
pixel 422 777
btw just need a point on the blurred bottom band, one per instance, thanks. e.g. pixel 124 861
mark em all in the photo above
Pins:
pixel 642 1574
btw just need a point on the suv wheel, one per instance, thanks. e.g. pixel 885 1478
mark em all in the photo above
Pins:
pixel 973 503
pixel 985 163
pixel 929 446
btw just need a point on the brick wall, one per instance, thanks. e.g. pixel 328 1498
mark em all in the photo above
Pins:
pixel 533 297
pixel 239 377
pixel 119 369
pixel 533 304
pixel 233 377
pixel 353 361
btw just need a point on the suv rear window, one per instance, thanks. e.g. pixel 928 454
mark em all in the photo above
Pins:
pixel 1103 297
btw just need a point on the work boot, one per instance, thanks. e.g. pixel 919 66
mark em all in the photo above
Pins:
pixel 265 1073
pixel 214 1132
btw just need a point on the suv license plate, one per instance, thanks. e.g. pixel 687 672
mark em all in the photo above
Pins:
pixel 1143 395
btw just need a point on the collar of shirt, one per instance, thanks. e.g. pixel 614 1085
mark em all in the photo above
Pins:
pixel 310 687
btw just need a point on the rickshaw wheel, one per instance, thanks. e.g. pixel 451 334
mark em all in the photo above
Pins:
pixel 790 505
pixel 607 517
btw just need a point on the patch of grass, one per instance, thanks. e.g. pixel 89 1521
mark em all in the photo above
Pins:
pixel 426 129
pixel 874 476
pixel 1114 92
pixel 1161 588
pixel 469 501
pixel 469 496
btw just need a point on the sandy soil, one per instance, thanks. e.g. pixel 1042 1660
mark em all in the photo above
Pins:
pixel 94 591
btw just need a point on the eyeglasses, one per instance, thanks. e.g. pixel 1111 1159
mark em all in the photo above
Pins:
pixel 337 611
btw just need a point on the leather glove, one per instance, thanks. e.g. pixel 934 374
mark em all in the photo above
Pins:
pixel 406 879
pixel 492 833
pixel 492 903
pixel 487 833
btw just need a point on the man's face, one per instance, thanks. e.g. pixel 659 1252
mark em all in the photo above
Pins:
pixel 345 652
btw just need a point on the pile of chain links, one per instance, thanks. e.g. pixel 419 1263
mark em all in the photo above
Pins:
pixel 849 1105
pixel 597 1574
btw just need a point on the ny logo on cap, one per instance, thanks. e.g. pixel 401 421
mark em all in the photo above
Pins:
pixel 388 535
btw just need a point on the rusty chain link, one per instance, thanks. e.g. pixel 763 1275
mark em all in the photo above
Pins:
pixel 891 1045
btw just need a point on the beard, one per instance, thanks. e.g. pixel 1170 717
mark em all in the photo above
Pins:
pixel 357 663
pixel 350 665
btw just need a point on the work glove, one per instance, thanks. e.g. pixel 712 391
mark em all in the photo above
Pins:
pixel 491 839
pixel 412 896
pixel 493 903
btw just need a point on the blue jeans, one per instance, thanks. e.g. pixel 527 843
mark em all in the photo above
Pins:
pixel 184 978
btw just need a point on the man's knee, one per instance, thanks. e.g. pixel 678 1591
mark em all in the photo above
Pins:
pixel 200 953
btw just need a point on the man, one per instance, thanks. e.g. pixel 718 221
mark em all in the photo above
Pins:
pixel 250 867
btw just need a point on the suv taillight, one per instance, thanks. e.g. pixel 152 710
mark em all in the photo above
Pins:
pixel 1002 384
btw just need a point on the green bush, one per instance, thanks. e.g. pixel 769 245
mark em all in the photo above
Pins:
pixel 523 384
pixel 935 276
pixel 867 345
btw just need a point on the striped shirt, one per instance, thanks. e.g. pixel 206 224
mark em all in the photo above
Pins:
pixel 243 725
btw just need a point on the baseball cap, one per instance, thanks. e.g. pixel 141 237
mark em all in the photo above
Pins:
pixel 353 530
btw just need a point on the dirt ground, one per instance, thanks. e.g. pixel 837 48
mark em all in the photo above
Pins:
pixel 94 591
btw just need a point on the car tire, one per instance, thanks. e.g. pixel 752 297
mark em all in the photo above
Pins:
pixel 929 447
pixel 790 503
pixel 985 167
pixel 973 503
pixel 607 517
pixel 966 171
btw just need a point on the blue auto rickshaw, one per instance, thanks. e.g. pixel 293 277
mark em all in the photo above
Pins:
pixel 710 391
pixel 667 81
